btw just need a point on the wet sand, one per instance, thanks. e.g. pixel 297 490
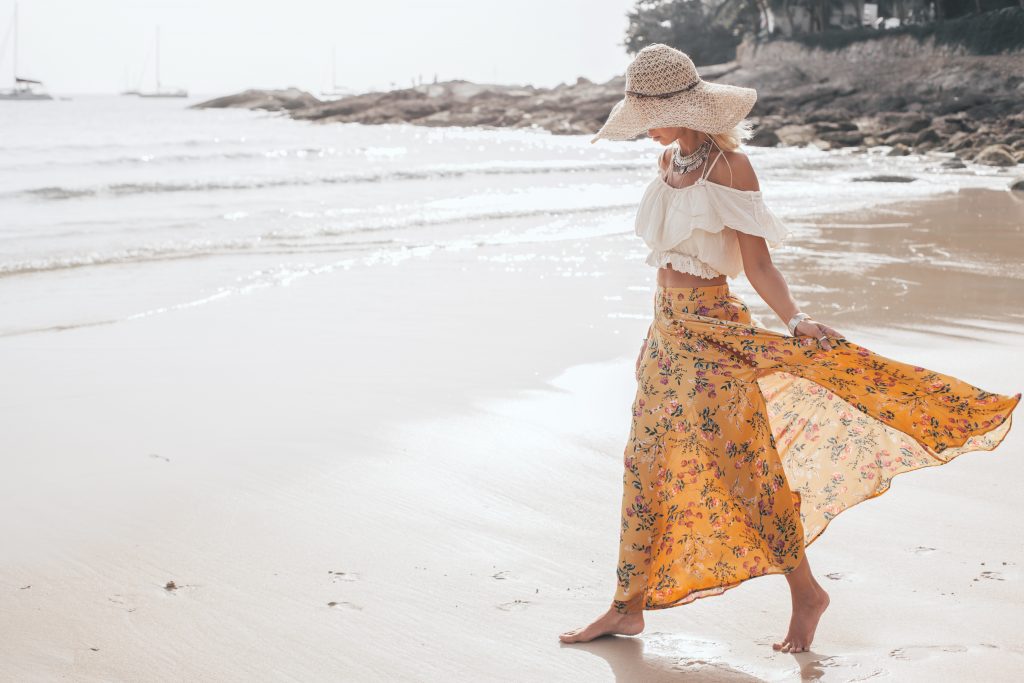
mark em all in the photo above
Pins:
pixel 414 473
pixel 951 264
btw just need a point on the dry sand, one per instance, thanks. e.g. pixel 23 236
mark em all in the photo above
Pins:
pixel 414 473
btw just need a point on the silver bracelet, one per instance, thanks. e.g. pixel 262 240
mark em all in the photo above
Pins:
pixel 794 321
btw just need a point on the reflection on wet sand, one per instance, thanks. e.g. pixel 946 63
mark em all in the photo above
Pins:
pixel 948 265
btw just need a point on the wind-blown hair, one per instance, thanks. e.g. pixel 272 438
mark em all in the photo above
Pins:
pixel 731 140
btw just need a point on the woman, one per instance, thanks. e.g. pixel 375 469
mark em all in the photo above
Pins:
pixel 745 442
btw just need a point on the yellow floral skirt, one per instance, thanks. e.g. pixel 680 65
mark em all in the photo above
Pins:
pixel 745 443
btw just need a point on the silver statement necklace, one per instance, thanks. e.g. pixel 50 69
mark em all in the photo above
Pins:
pixel 685 164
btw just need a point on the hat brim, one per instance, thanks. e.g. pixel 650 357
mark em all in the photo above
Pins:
pixel 708 107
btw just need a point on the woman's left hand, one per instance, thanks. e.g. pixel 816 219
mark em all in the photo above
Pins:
pixel 811 328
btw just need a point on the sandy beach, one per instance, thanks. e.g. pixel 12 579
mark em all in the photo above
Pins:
pixel 413 472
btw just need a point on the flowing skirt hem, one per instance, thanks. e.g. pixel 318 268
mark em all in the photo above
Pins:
pixel 710 592
pixel 713 591
pixel 1007 423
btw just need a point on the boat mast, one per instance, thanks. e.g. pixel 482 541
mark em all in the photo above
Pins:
pixel 158 59
pixel 15 59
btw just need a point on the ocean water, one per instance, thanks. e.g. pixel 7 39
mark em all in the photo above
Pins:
pixel 114 208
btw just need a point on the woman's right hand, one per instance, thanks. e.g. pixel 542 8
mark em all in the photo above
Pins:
pixel 812 328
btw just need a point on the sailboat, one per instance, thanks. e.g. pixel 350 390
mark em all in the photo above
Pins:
pixel 160 92
pixel 335 90
pixel 24 88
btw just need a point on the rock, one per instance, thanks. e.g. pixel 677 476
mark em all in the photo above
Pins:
pixel 898 150
pixel 833 126
pixel 884 178
pixel 991 110
pixel 795 135
pixel 952 163
pixel 832 116
pixel 963 144
pixel 577 109
pixel 951 125
pixel 910 123
pixel 957 101
pixel 905 139
pixel 1017 184
pixel 843 137
pixel 996 155
pixel 925 136
pixel 958 140
pixel 269 100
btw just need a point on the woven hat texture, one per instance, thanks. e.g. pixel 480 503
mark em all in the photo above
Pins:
pixel 663 89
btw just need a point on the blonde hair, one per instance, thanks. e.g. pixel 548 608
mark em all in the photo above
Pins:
pixel 731 140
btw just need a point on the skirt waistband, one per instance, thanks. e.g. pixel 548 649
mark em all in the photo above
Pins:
pixel 714 301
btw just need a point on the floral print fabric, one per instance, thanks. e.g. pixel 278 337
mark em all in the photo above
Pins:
pixel 745 443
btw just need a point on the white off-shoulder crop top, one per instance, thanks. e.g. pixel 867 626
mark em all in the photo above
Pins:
pixel 693 228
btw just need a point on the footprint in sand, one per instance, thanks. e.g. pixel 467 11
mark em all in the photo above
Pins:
pixel 848 669
pixel 514 605
pixel 345 605
pixel 925 651
pixel 922 549
pixel 503 574
pixel 119 599
pixel 343 576
pixel 991 575
pixel 159 457
pixel 832 660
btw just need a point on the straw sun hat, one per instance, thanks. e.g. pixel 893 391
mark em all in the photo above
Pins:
pixel 663 89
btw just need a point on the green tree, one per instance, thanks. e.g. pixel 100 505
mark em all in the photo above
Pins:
pixel 708 33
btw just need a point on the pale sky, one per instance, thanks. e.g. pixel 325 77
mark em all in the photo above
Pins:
pixel 221 46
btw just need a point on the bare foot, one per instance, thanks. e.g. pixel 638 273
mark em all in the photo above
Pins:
pixel 803 622
pixel 608 623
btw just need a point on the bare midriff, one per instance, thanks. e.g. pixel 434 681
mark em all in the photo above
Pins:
pixel 669 277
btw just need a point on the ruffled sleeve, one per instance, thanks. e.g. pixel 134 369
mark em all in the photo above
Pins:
pixel 746 212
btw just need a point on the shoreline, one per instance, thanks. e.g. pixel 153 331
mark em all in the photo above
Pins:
pixel 338 470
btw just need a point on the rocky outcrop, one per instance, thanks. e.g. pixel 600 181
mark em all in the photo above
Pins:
pixel 913 96
pixel 563 109
pixel 289 99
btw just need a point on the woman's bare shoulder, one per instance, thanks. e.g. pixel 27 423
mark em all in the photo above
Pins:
pixel 736 172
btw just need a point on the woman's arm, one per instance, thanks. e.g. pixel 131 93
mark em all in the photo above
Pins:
pixel 762 273
pixel 772 288
pixel 765 277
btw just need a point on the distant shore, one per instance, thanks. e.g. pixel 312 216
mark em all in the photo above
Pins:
pixel 911 96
